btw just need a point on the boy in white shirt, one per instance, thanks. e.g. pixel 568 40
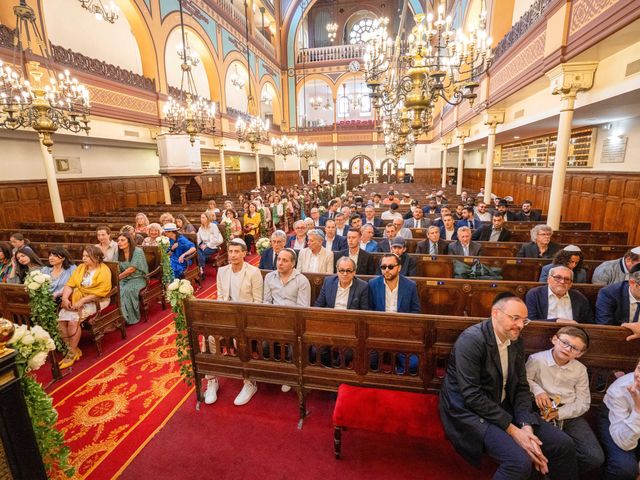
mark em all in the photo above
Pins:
pixel 560 385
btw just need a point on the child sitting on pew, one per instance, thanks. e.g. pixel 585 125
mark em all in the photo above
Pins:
pixel 560 385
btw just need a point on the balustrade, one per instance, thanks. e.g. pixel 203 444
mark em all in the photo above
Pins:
pixel 331 54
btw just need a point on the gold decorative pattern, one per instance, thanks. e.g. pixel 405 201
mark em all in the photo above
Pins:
pixel 123 101
pixel 584 11
pixel 530 54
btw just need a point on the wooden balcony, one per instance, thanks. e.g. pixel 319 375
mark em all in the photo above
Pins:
pixel 336 53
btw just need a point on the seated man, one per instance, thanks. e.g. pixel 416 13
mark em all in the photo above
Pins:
pixel 556 301
pixel 527 214
pixel 541 245
pixel 496 232
pixel 365 265
pixel 432 207
pixel 298 240
pixel 560 385
pixel 614 271
pixel 467 219
pixel 391 213
pixel 620 302
pixel 367 242
pixel 355 222
pixel 417 220
pixel 389 233
pixel 464 246
pixel 432 245
pixel 269 256
pixel 448 230
pixel 444 211
pixel 344 291
pixel 315 216
pixel 333 242
pixel 485 403
pixel 315 258
pixel 391 198
pixel 331 213
pixel 503 209
pixel 408 264
pixel 401 292
pixel 400 229
pixel 370 217
pixel 341 225
pixel 482 214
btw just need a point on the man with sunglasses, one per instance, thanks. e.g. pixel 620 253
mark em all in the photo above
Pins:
pixel 392 292
pixel 485 402
pixel 557 301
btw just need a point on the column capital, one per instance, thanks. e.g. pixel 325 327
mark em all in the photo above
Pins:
pixel 568 79
pixel 445 142
pixel 493 117
pixel 461 134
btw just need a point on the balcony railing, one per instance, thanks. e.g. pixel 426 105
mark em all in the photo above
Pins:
pixel 231 10
pixel 331 54
pixel 263 41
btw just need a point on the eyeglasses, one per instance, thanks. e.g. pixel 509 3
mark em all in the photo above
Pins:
pixel 571 348
pixel 343 270
pixel 516 318
pixel 561 279
pixel 387 267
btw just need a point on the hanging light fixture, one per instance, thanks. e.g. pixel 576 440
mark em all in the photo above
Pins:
pixel 284 146
pixel 109 13
pixel 27 100
pixel 332 27
pixel 186 54
pixel 307 150
pixel 237 80
pixel 189 113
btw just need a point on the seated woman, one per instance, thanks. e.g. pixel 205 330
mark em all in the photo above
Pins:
pixel 179 249
pixel 24 261
pixel 167 218
pixel 236 229
pixel 132 266
pixel 252 220
pixel 129 230
pixel 60 270
pixel 17 241
pixel 184 225
pixel 153 232
pixel 141 224
pixel 90 282
pixel 6 264
pixel 213 209
pixel 209 239
pixel 571 257
pixel 108 247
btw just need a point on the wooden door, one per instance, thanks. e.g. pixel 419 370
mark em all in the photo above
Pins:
pixel 359 169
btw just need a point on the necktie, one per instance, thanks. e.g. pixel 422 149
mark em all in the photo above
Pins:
pixel 636 317
pixel 465 250
pixel 471 224
pixel 432 248
pixel 415 223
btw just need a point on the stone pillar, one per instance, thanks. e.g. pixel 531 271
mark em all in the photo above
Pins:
pixel 257 154
pixel 223 171
pixel 443 158
pixel 460 135
pixel 491 120
pixel 566 80
pixel 52 183
pixel 335 163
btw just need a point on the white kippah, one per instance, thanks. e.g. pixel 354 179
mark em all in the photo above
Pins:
pixel 572 248
pixel 636 250
pixel 238 241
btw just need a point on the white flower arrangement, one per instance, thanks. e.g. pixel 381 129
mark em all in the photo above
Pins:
pixel 322 210
pixel 180 287
pixel 162 240
pixel 36 280
pixel 33 345
pixel 262 244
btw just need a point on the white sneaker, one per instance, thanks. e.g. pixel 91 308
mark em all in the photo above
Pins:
pixel 285 388
pixel 248 390
pixel 211 395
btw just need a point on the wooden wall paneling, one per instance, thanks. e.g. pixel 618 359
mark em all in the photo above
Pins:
pixel 285 178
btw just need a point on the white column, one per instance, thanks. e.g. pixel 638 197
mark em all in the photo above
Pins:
pixel 257 154
pixel 443 157
pixel 167 190
pixel 52 183
pixel 335 163
pixel 461 135
pixel 566 80
pixel 223 173
pixel 492 119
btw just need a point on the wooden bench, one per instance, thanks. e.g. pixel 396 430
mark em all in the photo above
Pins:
pixel 386 411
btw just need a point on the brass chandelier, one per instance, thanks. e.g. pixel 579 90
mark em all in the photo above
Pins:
pixel 27 100
pixel 284 146
pixel 109 13
pixel 189 113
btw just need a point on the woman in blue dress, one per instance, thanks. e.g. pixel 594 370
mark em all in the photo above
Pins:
pixel 60 270
pixel 179 249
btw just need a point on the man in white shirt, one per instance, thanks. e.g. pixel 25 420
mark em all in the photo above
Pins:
pixel 401 230
pixel 315 216
pixel 315 258
pixel 560 385
pixel 237 282
pixel 482 214
pixel 391 213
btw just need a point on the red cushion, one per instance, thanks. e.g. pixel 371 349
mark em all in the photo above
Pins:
pixel 153 282
pixel 388 411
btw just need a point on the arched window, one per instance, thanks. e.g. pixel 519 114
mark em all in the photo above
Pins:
pixel 364 25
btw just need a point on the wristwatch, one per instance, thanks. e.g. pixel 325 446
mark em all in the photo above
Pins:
pixel 524 424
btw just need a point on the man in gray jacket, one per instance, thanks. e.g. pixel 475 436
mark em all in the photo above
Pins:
pixel 614 271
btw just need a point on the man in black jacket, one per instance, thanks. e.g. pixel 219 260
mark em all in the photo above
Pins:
pixel 485 402
pixel 365 265
pixel 527 214
pixel 496 232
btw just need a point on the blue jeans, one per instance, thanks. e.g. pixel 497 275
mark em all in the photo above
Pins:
pixel 514 463
pixel 203 254
pixel 620 464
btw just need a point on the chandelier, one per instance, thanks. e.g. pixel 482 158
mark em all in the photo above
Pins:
pixel 266 97
pixel 316 102
pixel 29 101
pixel 284 146
pixel 186 55
pixel 109 13
pixel 332 31
pixel 307 150
pixel 237 80
pixel 189 113
pixel 254 131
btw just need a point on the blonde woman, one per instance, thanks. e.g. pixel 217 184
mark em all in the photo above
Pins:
pixel 141 223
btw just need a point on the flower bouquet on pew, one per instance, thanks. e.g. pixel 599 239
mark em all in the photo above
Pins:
pixel 43 307
pixel 177 292
pixel 262 244
pixel 32 346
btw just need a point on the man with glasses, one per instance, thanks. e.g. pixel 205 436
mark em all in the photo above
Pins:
pixel 482 215
pixel 392 292
pixel 541 245
pixel 367 242
pixel 365 264
pixel 344 291
pixel 485 402
pixel 269 256
pixel 556 301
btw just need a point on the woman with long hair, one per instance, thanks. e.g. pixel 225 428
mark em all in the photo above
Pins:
pixel 132 268
pixel 60 269
pixel 24 261
pixel 252 220
pixel 6 263
pixel 184 225
pixel 209 239
pixel 89 283
pixel 236 227
pixel 141 223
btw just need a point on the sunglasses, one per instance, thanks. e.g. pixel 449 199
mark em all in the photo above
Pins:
pixel 387 267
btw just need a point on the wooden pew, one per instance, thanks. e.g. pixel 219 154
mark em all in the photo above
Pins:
pixel 295 335
pixel 575 237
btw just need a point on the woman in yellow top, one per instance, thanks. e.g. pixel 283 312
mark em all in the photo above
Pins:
pixel 90 282
pixel 252 220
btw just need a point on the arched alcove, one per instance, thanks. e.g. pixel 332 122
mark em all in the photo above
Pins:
pixel 173 61
pixel 310 113
pixel 235 94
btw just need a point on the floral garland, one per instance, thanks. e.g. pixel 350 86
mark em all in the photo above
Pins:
pixel 227 228
pixel 262 244
pixel 43 307
pixel 263 223
pixel 177 292
pixel 165 260
pixel 32 346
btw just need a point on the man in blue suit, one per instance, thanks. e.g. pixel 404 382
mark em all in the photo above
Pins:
pixel 392 292
pixel 331 213
pixel 269 256
pixel 619 302
pixel 556 301
pixel 344 291
pixel 333 242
